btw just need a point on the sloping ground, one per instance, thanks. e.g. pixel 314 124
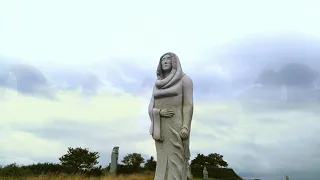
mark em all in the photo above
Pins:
pixel 216 173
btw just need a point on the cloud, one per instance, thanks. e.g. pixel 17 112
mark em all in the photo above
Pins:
pixel 250 55
pixel 74 79
pixel 229 70
pixel 137 79
pixel 102 90
pixel 272 61
pixel 263 142
pixel 26 148
pixel 255 140
pixel 42 81
pixel 24 79
pixel 100 122
pixel 292 82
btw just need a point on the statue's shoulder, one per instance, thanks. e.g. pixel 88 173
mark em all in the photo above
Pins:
pixel 187 81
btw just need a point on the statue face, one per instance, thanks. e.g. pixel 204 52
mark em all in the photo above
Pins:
pixel 166 63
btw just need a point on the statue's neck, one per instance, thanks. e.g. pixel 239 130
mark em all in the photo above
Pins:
pixel 166 74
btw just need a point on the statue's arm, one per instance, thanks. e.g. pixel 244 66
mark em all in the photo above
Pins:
pixel 150 108
pixel 187 88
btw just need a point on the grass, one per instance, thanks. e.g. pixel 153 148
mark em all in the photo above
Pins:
pixel 79 177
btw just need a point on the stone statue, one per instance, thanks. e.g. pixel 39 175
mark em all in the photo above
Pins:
pixel 171 111
pixel 189 175
pixel 205 174
pixel 114 161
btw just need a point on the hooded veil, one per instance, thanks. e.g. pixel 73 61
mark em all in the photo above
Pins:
pixel 174 76
pixel 165 87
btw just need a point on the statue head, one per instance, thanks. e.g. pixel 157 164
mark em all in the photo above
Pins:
pixel 115 150
pixel 167 64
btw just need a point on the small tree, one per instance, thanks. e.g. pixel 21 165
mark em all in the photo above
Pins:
pixel 213 160
pixel 199 160
pixel 151 164
pixel 134 160
pixel 79 159
pixel 216 160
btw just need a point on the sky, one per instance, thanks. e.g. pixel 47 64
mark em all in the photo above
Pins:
pixel 80 74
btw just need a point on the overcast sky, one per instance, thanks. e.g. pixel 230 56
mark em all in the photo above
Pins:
pixel 80 74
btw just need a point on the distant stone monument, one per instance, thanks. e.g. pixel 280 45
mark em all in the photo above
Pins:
pixel 171 111
pixel 205 174
pixel 114 161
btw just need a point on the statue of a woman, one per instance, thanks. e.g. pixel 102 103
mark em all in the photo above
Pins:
pixel 170 111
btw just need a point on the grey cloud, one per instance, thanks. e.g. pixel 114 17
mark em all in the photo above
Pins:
pixel 74 79
pixel 24 79
pixel 246 61
pixel 267 105
pixel 290 74
pixel 70 130
pixel 138 80
pixel 273 61
pixel 250 55
pixel 127 75
pixel 202 135
pixel 293 82
pixel 292 149
pixel 30 80
pixel 252 160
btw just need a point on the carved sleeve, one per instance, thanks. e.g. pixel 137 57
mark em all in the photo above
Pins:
pixel 155 128
pixel 187 89
pixel 150 108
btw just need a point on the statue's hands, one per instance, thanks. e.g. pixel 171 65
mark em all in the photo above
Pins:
pixel 166 112
pixel 184 133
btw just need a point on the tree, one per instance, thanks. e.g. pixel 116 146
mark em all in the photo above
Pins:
pixel 268 78
pixel 212 160
pixel 216 160
pixel 151 164
pixel 304 75
pixel 134 160
pixel 79 159
pixel 199 160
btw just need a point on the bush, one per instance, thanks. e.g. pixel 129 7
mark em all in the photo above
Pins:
pixel 125 169
pixel 13 170
pixel 216 173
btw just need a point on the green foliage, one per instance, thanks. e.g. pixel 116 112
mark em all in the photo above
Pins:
pixel 13 170
pixel 212 160
pixel 134 160
pixel 215 173
pixel 128 169
pixel 150 164
pixel 79 160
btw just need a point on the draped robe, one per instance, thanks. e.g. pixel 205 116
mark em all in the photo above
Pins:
pixel 176 93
